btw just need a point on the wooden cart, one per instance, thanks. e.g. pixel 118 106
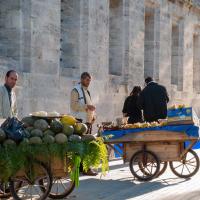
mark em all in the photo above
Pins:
pixel 148 153
pixel 51 180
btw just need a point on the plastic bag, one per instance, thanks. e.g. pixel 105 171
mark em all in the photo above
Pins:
pixel 14 129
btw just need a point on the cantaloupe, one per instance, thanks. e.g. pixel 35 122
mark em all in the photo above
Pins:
pixel 68 119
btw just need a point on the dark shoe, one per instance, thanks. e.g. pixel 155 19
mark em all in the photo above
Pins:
pixel 90 172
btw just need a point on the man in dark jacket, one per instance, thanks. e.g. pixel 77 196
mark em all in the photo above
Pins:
pixel 153 101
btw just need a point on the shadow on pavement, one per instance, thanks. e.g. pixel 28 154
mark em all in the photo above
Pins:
pixel 120 189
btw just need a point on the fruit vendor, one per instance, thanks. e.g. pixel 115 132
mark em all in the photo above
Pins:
pixel 8 106
pixel 81 105
pixel 153 101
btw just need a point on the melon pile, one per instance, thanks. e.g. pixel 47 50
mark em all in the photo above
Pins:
pixel 60 131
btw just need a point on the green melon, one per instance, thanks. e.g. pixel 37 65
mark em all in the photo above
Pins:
pixel 35 140
pixel 68 130
pixel 74 138
pixel 80 128
pixel 28 121
pixel 2 135
pixel 48 139
pixel 61 138
pixel 49 132
pixel 9 142
pixel 88 138
pixel 29 129
pixel 25 141
pixel 27 134
pixel 56 126
pixel 41 124
pixel 37 133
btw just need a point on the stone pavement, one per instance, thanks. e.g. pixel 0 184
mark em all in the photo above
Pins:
pixel 119 184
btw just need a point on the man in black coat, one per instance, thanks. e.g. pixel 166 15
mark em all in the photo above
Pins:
pixel 153 101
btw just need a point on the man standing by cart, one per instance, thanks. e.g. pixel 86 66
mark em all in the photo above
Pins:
pixel 153 101
pixel 8 106
pixel 82 107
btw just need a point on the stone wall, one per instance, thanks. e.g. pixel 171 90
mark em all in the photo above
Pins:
pixel 118 41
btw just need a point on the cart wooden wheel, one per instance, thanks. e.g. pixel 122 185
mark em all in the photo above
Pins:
pixel 186 167
pixel 163 167
pixel 5 190
pixel 61 187
pixel 144 165
pixel 30 178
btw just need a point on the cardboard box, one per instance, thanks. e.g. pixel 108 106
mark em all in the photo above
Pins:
pixel 182 116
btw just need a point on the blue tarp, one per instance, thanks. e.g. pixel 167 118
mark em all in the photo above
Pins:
pixel 190 130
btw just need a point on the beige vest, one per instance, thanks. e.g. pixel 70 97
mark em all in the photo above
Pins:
pixel 5 109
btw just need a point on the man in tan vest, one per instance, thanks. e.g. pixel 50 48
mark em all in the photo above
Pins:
pixel 81 102
pixel 82 107
pixel 8 106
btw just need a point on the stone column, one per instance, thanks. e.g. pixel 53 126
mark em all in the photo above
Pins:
pixel 136 43
pixel 165 45
pixel 45 37
pixel 98 37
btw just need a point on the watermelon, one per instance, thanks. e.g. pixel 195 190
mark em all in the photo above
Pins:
pixel 80 128
pixel 88 138
pixel 48 139
pixel 37 133
pixel 2 135
pixel 49 132
pixel 68 130
pixel 74 138
pixel 35 140
pixel 41 124
pixel 61 138
pixel 56 126
pixel 9 142
pixel 28 121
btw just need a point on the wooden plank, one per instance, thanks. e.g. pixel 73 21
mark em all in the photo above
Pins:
pixel 150 136
pixel 165 151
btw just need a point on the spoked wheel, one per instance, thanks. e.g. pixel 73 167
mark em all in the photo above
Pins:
pixel 144 165
pixel 61 187
pixel 186 167
pixel 30 182
pixel 5 189
pixel 163 167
